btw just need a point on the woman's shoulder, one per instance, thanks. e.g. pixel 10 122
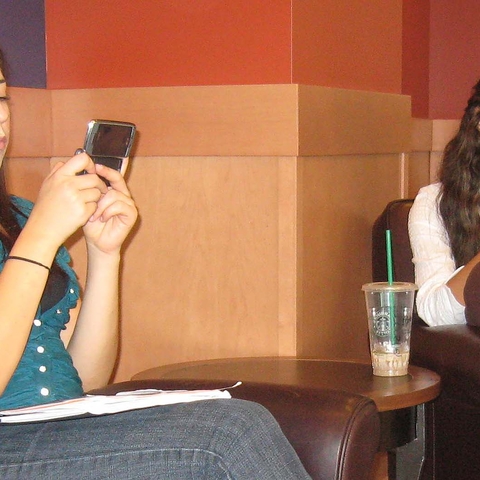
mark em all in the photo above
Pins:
pixel 425 205
pixel 428 195
pixel 429 191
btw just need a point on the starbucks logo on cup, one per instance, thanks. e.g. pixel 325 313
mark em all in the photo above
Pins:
pixel 381 324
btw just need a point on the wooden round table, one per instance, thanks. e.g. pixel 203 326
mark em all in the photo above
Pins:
pixel 400 400
pixel 389 393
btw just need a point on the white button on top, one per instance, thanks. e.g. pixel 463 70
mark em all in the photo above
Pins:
pixel 40 349
pixel 37 322
pixel 44 391
pixel 72 290
pixel 43 368
pixel 59 311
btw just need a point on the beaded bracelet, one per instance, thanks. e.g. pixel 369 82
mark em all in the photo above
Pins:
pixel 23 259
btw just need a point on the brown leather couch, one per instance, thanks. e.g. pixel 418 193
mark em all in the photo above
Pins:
pixel 453 419
pixel 336 434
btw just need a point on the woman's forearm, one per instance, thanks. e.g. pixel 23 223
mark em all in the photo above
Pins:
pixel 94 344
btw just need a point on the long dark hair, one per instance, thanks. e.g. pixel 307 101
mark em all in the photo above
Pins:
pixel 9 227
pixel 459 174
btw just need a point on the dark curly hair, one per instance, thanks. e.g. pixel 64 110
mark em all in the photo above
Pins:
pixel 459 174
pixel 9 228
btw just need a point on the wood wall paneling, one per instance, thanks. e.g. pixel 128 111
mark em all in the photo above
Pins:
pixel 429 138
pixel 31 112
pixel 205 261
pixel 335 121
pixel 442 133
pixel 419 158
pixel 422 135
pixel 25 175
pixel 290 254
pixel 230 120
pixel 342 196
pixel 419 172
pixel 244 247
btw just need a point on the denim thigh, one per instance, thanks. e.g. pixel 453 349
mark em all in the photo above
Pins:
pixel 215 439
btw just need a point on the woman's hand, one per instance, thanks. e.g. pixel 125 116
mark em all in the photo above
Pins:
pixel 67 200
pixel 114 216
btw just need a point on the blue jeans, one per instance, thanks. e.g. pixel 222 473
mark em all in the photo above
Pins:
pixel 214 439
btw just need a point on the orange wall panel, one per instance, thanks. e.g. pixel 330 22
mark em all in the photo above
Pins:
pixel 416 54
pixel 455 55
pixel 120 43
pixel 354 44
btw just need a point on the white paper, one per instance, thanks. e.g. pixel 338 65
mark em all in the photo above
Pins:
pixel 107 404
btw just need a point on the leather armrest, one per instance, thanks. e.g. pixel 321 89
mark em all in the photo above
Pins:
pixel 335 434
pixel 451 351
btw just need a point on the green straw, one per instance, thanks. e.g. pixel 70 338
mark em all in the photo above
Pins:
pixel 388 241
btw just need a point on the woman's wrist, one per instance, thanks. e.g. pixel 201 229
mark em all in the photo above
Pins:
pixel 35 246
pixel 96 256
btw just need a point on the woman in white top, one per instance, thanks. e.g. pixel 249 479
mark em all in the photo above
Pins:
pixel 444 228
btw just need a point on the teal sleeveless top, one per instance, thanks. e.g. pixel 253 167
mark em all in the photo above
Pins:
pixel 45 372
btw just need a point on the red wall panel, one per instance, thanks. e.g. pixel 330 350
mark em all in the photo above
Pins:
pixel 120 43
pixel 416 55
pixel 117 43
pixel 354 44
pixel 454 55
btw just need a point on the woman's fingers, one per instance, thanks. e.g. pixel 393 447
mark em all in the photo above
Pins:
pixel 115 178
pixel 80 169
pixel 56 167
pixel 115 204
pixel 79 163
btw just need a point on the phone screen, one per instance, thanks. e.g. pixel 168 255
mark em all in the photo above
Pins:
pixel 111 140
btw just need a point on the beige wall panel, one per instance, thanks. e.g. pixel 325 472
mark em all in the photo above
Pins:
pixel 435 161
pixel 334 121
pixel 31 122
pixel 342 196
pixel 429 138
pixel 418 164
pixel 223 120
pixel 218 120
pixel 418 172
pixel 25 175
pixel 422 134
pixel 201 275
pixel 289 254
pixel 442 133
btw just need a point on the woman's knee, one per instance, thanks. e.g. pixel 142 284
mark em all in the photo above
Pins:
pixel 248 415
pixel 244 422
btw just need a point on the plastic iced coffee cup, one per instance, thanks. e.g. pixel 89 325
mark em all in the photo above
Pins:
pixel 389 310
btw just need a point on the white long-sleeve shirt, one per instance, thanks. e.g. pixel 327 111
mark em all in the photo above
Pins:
pixel 433 261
